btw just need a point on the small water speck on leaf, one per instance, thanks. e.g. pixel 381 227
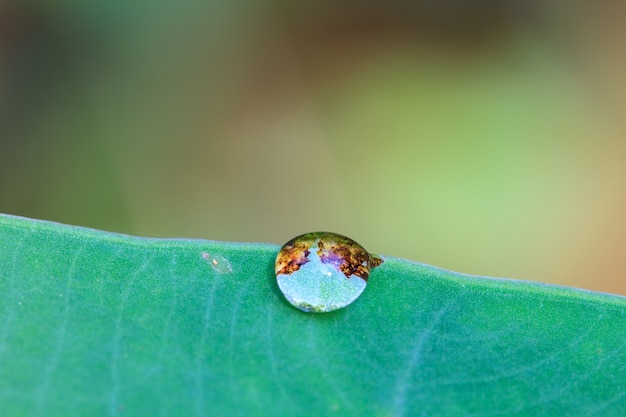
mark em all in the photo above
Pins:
pixel 218 262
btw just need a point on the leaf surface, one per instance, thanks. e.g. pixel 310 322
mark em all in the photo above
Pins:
pixel 96 323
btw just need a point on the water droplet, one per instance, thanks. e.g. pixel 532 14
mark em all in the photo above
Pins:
pixel 322 271
pixel 218 262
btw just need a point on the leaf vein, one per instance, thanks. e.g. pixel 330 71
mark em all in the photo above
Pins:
pixel 402 381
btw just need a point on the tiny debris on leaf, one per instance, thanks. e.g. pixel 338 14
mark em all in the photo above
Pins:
pixel 218 262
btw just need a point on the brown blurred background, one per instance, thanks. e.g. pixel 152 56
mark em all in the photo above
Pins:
pixel 483 136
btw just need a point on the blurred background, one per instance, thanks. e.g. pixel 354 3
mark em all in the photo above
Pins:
pixel 483 136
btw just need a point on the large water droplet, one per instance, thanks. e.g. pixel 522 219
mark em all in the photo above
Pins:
pixel 322 271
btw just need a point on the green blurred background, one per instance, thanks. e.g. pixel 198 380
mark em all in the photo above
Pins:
pixel 483 136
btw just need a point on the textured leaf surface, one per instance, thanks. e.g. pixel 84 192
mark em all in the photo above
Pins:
pixel 95 323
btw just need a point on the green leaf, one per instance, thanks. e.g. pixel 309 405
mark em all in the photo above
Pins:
pixel 95 323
